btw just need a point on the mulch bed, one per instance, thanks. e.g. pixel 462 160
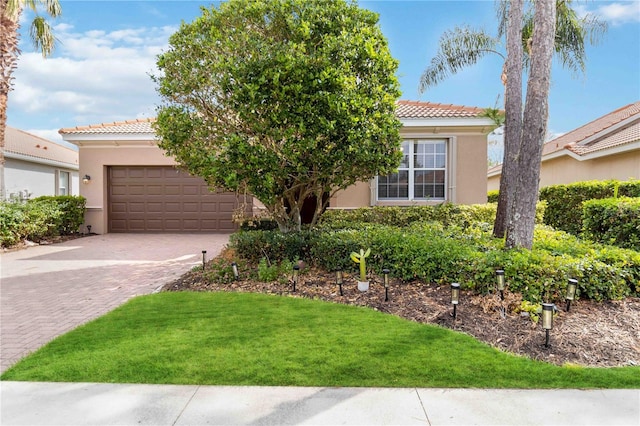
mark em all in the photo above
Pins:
pixel 590 334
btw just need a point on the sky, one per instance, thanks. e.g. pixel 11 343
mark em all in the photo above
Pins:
pixel 106 51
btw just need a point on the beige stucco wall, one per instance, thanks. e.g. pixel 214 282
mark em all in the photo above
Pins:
pixel 94 162
pixel 566 169
pixel 467 173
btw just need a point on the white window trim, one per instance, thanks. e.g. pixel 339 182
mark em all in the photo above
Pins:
pixel 449 175
pixel 59 180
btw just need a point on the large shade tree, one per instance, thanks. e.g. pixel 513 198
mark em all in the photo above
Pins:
pixel 465 46
pixel 43 41
pixel 285 99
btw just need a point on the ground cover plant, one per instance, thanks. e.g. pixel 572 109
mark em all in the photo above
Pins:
pixel 252 339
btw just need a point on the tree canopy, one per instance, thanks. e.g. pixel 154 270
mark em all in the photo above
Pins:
pixel 285 99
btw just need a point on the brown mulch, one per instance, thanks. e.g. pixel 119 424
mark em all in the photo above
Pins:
pixel 590 334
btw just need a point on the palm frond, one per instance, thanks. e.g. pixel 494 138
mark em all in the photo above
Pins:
pixel 458 48
pixel 42 35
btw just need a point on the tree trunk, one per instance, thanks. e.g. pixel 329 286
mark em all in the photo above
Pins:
pixel 521 225
pixel 8 60
pixel 513 117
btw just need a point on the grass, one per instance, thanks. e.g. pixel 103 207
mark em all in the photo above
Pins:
pixel 254 339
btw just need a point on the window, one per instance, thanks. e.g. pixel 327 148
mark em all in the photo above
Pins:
pixel 421 175
pixel 63 183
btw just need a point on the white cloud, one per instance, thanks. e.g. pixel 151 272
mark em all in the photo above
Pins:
pixel 94 76
pixel 616 13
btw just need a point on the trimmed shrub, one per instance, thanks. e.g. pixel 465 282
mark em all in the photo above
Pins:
pixel 447 214
pixel 40 218
pixel 564 209
pixel 492 196
pixel 273 245
pixel 614 221
pixel 71 210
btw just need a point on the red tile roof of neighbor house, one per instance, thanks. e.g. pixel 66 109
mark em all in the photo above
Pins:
pixel 17 141
pixel 572 140
pixel 405 109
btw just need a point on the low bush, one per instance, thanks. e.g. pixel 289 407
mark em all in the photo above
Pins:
pixel 40 218
pixel 614 221
pixel 564 210
pixel 492 196
pixel 447 214
pixel 435 253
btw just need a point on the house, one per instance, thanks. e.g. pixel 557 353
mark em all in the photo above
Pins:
pixel 35 166
pixel 605 148
pixel 135 187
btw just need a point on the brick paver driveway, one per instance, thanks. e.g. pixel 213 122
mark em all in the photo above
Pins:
pixel 46 291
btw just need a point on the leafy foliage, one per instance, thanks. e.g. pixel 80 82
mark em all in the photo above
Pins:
pixel 564 210
pixel 613 221
pixel 460 250
pixel 40 218
pixel 286 99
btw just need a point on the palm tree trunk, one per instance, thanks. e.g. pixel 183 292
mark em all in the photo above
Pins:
pixel 8 60
pixel 513 117
pixel 520 227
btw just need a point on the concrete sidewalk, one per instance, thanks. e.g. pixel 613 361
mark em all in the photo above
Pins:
pixel 27 403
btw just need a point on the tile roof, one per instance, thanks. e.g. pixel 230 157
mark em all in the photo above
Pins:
pixel 20 142
pixel 572 140
pixel 405 109
pixel 417 109
pixel 140 125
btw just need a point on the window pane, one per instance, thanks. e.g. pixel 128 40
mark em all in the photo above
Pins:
pixel 63 183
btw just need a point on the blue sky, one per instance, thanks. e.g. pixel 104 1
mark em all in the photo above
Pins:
pixel 100 69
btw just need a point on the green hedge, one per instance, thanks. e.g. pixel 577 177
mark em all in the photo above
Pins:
pixel 564 202
pixel 446 214
pixel 433 253
pixel 614 221
pixel 40 218
pixel 492 196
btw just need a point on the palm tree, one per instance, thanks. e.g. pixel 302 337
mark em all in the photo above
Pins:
pixel 465 46
pixel 43 41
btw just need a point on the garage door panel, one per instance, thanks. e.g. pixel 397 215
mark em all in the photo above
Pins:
pixel 161 199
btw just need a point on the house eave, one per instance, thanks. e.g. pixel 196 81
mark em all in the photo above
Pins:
pixel 43 161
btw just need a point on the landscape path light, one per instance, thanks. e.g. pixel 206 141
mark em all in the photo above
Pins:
pixel 547 321
pixel 386 284
pixel 234 268
pixel 204 252
pixel 339 280
pixel 501 285
pixel 455 297
pixel 296 271
pixel 572 285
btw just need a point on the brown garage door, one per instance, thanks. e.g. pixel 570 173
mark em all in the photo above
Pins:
pixel 163 199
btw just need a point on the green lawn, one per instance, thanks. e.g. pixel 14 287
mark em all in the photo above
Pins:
pixel 254 339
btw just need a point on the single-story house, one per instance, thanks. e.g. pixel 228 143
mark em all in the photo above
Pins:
pixel 35 166
pixel 134 187
pixel 605 148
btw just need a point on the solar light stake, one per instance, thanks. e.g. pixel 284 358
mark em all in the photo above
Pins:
pixel 234 267
pixel 339 280
pixel 386 284
pixel 204 252
pixel 88 229
pixel 296 270
pixel 500 278
pixel 455 297
pixel 571 292
pixel 547 320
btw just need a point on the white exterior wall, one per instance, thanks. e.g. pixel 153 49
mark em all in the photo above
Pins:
pixel 36 179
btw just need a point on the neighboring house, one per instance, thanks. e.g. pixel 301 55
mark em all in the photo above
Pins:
pixel 35 166
pixel 606 148
pixel 134 187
